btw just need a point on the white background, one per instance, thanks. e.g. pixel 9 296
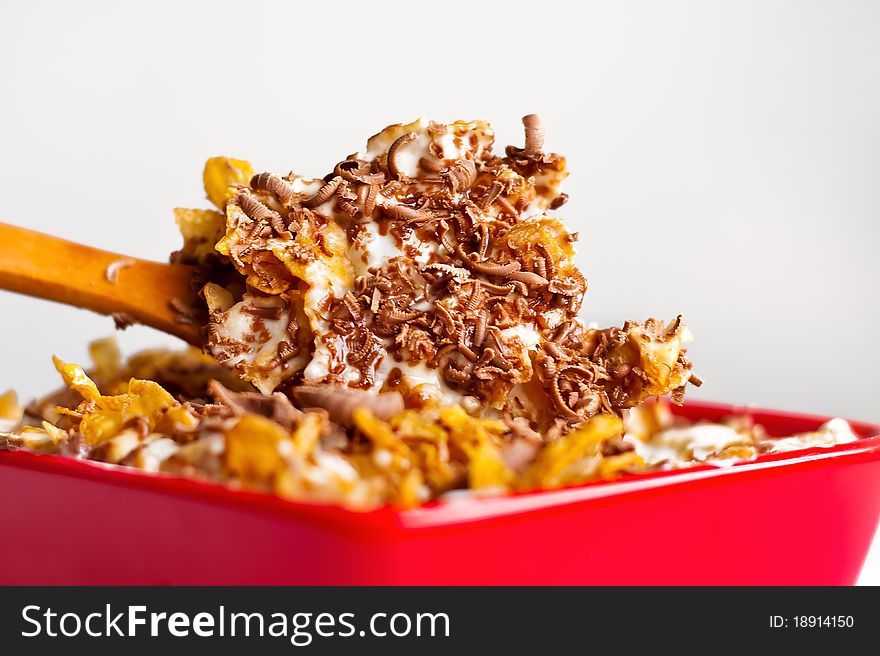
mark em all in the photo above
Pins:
pixel 725 155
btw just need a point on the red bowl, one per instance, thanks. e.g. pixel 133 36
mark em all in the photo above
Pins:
pixel 806 517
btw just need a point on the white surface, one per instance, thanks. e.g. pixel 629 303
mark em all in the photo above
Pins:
pixel 725 155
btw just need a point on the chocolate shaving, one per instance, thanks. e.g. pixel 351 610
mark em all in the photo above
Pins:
pixel 391 187
pixel 323 194
pixel 506 206
pixel 287 351
pixel 562 332
pixel 476 298
pixel 122 320
pixel 486 356
pixel 352 170
pixel 491 194
pixel 443 235
pixel 271 312
pixel 340 402
pixel 454 272
pixel 374 300
pixel 417 342
pixel 547 366
pixel 553 349
pixel 446 319
pixel 461 175
pixel 673 327
pixel 368 345
pixel 405 213
pixel 480 329
pixel 253 208
pixel 432 165
pixel 441 353
pixel 484 241
pixel 540 265
pixel 273 184
pixel 399 143
pixel 276 407
pixel 259 212
pixel 534 134
pixel 466 351
pixel 560 403
pixel 353 306
pixel 587 374
pixel 514 286
pixel 347 206
pixel 489 373
pixel 498 349
pixel 456 375
pixel 569 287
pixel 574 393
pixel 529 278
pixel 559 201
pixel 548 261
pixel 370 199
pixel 399 316
pixel 619 370
pixel 489 268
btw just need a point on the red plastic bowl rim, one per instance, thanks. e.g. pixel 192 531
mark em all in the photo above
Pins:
pixel 448 512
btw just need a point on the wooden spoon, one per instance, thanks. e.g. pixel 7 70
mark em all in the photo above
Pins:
pixel 57 270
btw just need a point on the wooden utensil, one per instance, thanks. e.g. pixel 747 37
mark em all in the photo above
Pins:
pixel 108 283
